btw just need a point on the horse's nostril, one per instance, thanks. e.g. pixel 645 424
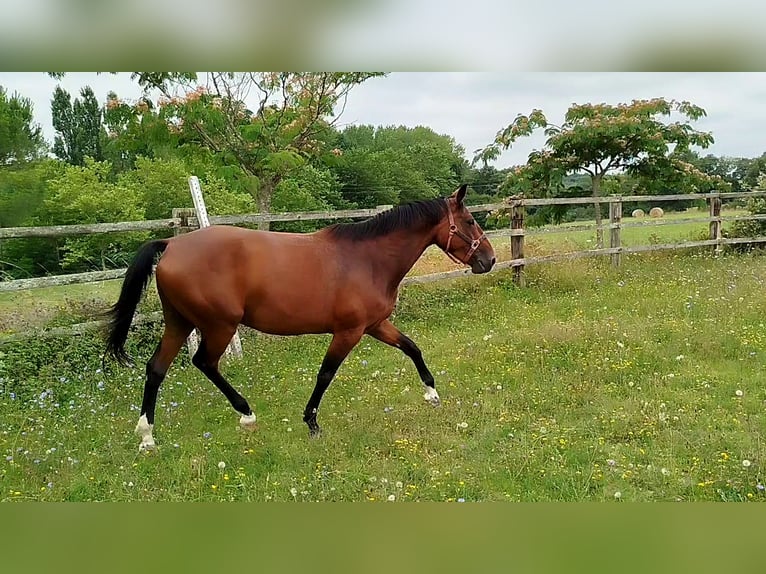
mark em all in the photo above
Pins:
pixel 492 262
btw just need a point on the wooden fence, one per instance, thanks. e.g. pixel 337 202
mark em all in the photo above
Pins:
pixel 184 220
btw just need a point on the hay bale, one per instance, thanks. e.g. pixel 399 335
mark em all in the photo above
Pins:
pixel 638 213
pixel 656 212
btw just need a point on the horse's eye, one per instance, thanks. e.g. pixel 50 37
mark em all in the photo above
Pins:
pixel 470 222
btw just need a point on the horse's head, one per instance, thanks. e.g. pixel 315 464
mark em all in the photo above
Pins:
pixel 463 239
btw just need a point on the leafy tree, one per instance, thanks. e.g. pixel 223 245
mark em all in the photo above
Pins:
pixel 23 188
pixel 86 194
pixel 78 125
pixel 599 139
pixel 391 165
pixel 308 189
pixel 20 138
pixel 281 134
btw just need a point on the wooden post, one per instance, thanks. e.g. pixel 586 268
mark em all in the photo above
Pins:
pixel 517 239
pixel 715 223
pixel 615 225
pixel 235 345
pixel 184 214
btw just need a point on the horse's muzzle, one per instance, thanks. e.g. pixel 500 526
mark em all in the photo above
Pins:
pixel 481 264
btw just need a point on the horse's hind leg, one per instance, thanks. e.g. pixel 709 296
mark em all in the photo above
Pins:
pixel 176 330
pixel 387 333
pixel 206 359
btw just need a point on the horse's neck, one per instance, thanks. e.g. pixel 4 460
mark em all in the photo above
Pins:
pixel 394 255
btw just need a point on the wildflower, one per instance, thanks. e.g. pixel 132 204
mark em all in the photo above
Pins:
pixel 214 486
pixel 294 492
pixel 400 485
pixel 206 435
pixel 760 487
pixel 387 409
pixel 746 463
pixel 221 465
pixel 680 358
pixel 461 499
pixel 665 471
pixel 289 429
pixel 618 495
pixel 391 497
pixel 285 420
pixel 463 425
pixel 364 362
pixel 739 393
pixel 611 462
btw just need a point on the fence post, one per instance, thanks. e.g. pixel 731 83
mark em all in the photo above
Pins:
pixel 235 345
pixel 184 214
pixel 715 223
pixel 517 239
pixel 615 227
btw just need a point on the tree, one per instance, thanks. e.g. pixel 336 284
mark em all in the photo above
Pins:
pixel 391 165
pixel 599 139
pixel 78 125
pixel 20 139
pixel 267 143
pixel 85 194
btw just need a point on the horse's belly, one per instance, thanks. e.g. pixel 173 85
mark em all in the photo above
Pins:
pixel 285 315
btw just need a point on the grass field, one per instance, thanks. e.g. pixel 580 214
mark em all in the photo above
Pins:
pixel 641 383
pixel 590 383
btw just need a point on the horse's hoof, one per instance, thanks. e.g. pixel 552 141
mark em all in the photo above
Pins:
pixel 432 397
pixel 247 422
pixel 147 446
pixel 315 433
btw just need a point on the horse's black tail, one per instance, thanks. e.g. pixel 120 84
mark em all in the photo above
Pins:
pixel 120 315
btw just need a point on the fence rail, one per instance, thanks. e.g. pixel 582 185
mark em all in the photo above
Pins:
pixel 184 220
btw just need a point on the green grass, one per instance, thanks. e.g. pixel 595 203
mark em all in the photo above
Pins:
pixel 586 383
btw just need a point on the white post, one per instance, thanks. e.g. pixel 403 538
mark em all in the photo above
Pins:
pixel 235 346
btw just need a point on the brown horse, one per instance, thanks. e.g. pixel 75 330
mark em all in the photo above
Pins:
pixel 343 280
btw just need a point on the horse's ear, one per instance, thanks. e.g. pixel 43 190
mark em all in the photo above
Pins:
pixel 459 194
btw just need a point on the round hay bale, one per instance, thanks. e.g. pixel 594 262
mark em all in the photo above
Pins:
pixel 656 212
pixel 638 213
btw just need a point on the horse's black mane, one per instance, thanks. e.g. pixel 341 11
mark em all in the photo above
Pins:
pixel 407 216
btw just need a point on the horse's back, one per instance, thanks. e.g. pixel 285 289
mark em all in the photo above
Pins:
pixel 274 282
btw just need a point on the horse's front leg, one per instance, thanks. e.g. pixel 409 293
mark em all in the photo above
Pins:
pixel 340 347
pixel 390 335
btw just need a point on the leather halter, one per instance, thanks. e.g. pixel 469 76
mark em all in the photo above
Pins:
pixel 474 243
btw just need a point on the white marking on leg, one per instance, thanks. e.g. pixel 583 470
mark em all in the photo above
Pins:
pixel 432 396
pixel 247 422
pixel 144 430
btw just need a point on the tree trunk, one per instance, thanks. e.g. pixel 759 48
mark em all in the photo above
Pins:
pixel 262 190
pixel 263 201
pixel 596 182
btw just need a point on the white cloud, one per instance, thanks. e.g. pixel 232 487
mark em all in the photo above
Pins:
pixel 472 107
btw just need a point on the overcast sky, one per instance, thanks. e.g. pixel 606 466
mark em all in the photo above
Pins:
pixel 472 107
